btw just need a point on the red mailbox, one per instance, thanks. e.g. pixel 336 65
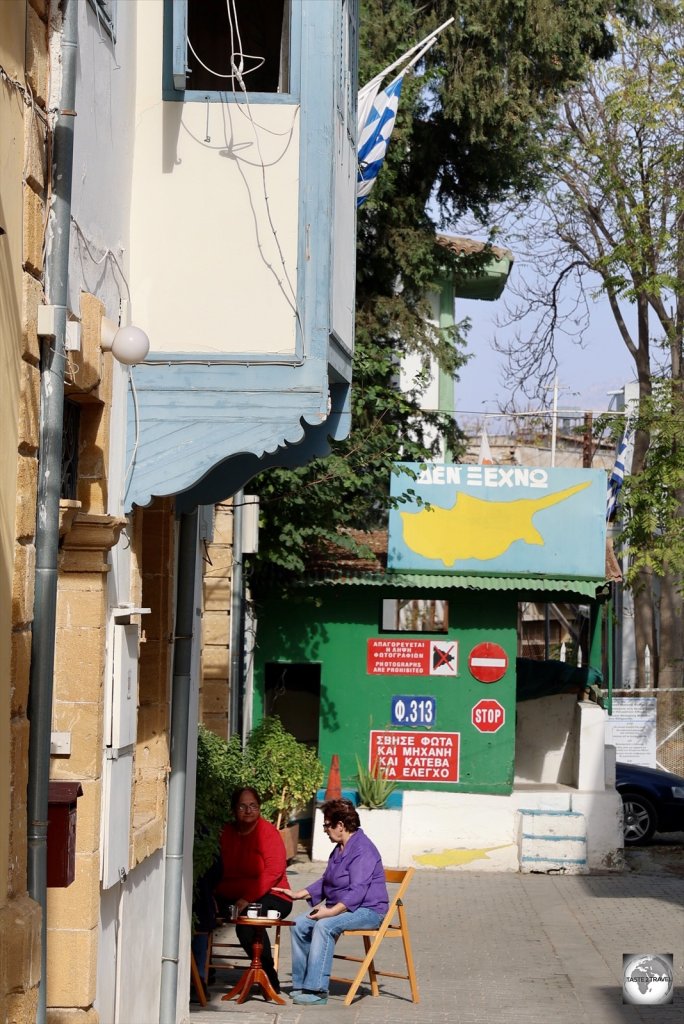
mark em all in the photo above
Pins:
pixel 61 837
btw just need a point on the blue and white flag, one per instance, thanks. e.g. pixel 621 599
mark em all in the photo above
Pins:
pixel 623 463
pixel 377 113
pixel 374 135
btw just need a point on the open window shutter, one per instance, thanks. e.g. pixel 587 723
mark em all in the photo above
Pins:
pixel 180 44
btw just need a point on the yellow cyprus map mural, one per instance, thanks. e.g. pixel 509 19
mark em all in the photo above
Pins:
pixel 502 519
pixel 474 528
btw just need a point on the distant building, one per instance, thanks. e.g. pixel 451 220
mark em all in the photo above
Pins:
pixel 499 760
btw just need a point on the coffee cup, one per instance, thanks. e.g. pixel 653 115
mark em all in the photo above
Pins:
pixel 273 914
pixel 254 910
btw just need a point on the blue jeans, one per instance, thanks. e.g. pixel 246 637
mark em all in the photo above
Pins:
pixel 313 945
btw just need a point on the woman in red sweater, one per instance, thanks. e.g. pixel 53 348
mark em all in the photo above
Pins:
pixel 253 861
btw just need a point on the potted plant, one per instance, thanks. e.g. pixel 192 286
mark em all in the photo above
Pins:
pixel 286 773
pixel 379 822
pixel 373 786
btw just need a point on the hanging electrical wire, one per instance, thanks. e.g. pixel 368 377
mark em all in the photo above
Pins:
pixel 237 74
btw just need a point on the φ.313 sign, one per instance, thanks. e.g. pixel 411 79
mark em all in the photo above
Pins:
pixel 413 710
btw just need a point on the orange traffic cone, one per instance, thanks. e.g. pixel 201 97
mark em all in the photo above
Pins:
pixel 334 787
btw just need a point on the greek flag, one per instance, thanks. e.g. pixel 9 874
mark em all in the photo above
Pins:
pixel 623 461
pixel 375 132
pixel 377 112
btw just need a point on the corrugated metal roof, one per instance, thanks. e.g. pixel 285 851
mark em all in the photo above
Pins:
pixel 452 581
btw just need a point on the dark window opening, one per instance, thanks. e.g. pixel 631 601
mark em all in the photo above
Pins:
pixel 71 424
pixel 293 692
pixel 415 615
pixel 252 34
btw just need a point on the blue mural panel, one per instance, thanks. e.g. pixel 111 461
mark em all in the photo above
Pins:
pixel 504 520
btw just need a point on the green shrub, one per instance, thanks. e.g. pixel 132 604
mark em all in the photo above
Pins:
pixel 219 770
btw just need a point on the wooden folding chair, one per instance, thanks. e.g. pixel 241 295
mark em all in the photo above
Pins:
pixel 196 980
pixel 373 937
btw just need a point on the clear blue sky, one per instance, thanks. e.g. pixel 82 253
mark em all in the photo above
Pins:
pixel 585 374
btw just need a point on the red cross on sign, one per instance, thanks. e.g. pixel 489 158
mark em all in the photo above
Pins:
pixel 488 663
pixel 488 716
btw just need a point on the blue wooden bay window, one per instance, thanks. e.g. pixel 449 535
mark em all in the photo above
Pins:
pixel 203 423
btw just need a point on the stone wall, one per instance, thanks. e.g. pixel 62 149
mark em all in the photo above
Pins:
pixel 82 672
pixel 218 569
pixel 154 547
pixel 23 99
pixel 87 535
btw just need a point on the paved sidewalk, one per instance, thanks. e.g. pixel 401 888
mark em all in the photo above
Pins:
pixel 502 949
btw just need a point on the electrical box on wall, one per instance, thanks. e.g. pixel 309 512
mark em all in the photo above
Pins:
pixel 117 779
pixel 124 719
pixel 121 728
pixel 250 524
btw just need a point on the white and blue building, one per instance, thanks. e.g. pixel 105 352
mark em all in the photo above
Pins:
pixel 242 242
pixel 213 206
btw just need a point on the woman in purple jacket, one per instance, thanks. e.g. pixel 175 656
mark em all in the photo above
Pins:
pixel 351 894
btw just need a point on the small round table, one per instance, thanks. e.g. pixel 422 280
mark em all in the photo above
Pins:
pixel 255 973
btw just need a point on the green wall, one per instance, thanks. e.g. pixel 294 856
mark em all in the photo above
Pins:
pixel 333 630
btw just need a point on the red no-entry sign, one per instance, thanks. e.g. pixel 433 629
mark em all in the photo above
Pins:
pixel 488 663
pixel 488 716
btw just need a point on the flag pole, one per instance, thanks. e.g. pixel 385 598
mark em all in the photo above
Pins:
pixel 421 53
pixel 431 37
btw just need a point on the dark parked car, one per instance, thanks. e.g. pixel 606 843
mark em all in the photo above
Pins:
pixel 653 801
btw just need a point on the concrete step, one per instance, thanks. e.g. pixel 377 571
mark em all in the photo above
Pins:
pixel 553 842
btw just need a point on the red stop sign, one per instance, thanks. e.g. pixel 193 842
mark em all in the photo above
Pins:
pixel 488 715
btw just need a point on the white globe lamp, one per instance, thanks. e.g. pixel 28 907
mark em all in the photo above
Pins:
pixel 129 345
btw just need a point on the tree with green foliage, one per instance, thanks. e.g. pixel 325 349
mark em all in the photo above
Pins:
pixel 610 221
pixel 469 131
pixel 653 530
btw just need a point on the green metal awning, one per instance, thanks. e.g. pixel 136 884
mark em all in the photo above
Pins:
pixel 567 589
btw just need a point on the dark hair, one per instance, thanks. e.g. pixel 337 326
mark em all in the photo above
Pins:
pixel 336 811
pixel 237 793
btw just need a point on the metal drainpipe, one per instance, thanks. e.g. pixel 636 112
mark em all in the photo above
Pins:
pixel 49 480
pixel 236 617
pixel 175 820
